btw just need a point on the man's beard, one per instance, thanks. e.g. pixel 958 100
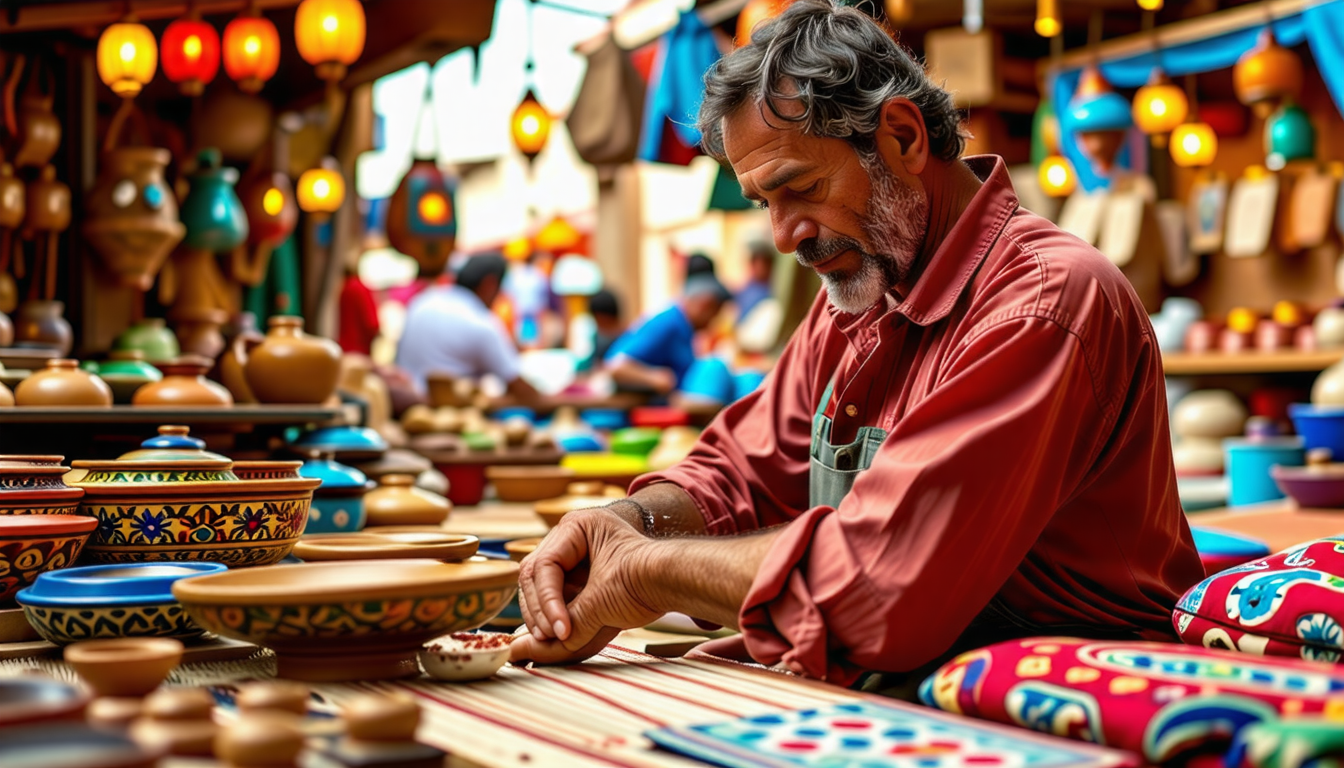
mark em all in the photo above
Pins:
pixel 894 223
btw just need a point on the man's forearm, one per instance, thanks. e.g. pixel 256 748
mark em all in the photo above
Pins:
pixel 707 578
pixel 674 511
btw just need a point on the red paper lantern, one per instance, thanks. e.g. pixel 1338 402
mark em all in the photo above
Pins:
pixel 190 54
pixel 251 50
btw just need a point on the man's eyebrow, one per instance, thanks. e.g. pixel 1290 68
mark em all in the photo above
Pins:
pixel 778 180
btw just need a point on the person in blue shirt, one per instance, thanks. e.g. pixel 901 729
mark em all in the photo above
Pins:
pixel 655 355
pixel 758 287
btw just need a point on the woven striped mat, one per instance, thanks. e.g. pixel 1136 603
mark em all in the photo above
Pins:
pixel 590 714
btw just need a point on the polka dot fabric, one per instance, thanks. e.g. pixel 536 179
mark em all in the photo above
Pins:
pixel 1160 700
pixel 1289 604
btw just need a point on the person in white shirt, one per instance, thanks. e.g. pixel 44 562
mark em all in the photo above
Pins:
pixel 451 330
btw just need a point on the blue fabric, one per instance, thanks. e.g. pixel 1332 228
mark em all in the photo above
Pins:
pixel 665 340
pixel 684 55
pixel 752 293
pixel 1321 26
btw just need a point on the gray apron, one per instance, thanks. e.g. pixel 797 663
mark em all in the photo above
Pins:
pixel 834 468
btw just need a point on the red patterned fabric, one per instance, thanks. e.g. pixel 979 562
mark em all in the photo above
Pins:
pixel 1162 700
pixel 1290 604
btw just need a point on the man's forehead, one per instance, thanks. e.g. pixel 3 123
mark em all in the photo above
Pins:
pixel 753 128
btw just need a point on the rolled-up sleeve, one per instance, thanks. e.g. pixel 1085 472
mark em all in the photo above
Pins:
pixel 955 498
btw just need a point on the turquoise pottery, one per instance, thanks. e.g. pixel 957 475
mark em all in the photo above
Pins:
pixel 213 213
pixel 1105 112
pixel 515 412
pixel 609 419
pixel 579 442
pixel 347 443
pixel 1289 135
pixel 131 600
pixel 635 441
pixel 338 504
pixel 173 443
pixel 1248 464
pixel 708 380
pixel 124 368
pixel 152 337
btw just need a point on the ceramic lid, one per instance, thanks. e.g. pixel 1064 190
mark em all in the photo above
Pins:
pixel 157 473
pixel 343 440
pixel 29 526
pixel 38 478
pixel 333 474
pixel 373 544
pixel 125 584
pixel 351 580
pixel 173 443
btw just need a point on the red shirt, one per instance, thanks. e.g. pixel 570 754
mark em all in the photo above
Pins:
pixel 358 317
pixel 1028 459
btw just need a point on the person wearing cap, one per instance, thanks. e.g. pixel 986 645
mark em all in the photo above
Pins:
pixel 451 330
pixel 655 355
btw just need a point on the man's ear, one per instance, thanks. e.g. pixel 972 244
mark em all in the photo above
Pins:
pixel 901 135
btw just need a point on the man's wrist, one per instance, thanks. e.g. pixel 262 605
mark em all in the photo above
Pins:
pixel 634 513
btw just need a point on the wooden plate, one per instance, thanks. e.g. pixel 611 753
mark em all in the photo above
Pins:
pixel 520 548
pixel 381 545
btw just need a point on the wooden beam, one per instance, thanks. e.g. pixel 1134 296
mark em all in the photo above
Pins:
pixel 1180 32
pixel 711 14
pixel 45 16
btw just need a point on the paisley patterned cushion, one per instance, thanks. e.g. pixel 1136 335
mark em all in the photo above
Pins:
pixel 1161 700
pixel 1290 604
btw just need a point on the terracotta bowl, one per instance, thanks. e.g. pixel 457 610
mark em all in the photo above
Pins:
pixel 379 545
pixel 350 620
pixel 529 483
pixel 190 510
pixel 520 548
pixel 33 544
pixel 104 601
pixel 25 700
pixel 582 495
pixel 124 666
pixel 34 485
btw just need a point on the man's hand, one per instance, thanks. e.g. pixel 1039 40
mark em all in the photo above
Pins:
pixel 583 584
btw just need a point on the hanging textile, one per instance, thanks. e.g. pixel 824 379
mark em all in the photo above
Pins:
pixel 678 85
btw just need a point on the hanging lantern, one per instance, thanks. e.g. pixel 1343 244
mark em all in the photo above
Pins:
pixel 251 50
pixel 1159 107
pixel 191 54
pixel 1150 5
pixel 531 126
pixel 422 217
pixel 1289 135
pixel 321 189
pixel 1047 18
pixel 898 11
pixel 558 236
pixel 753 13
pixel 271 209
pixel 330 35
pixel 1057 177
pixel 127 57
pixel 1193 145
pixel 1100 117
pixel 1267 74
pixel 518 249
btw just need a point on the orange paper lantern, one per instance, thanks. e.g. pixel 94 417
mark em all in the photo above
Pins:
pixel 1193 145
pixel 251 50
pixel 1266 74
pixel 191 54
pixel 127 57
pixel 322 189
pixel 1160 106
pixel 330 35
pixel 1056 176
pixel 531 126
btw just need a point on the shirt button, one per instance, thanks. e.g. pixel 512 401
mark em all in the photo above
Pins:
pixel 851 411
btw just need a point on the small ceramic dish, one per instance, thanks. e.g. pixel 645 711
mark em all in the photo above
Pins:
pixel 584 495
pixel 35 698
pixel 520 548
pixel 464 656
pixel 529 483
pixel 635 441
pixel 73 745
pixel 610 468
pixel 1319 485
pixel 349 620
pixel 338 503
pixel 124 666
pixel 33 544
pixel 104 601
pixel 378 545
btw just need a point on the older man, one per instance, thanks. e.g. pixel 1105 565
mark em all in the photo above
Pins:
pixel 965 441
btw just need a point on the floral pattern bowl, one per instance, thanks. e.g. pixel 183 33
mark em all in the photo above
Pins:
pixel 100 601
pixel 150 511
pixel 350 620
pixel 33 544
pixel 33 485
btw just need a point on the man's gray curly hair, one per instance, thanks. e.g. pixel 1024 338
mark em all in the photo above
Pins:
pixel 840 66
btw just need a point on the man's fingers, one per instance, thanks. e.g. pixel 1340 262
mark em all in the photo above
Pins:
pixel 536 619
pixel 542 651
pixel 548 579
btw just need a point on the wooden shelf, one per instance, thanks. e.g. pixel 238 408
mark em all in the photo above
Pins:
pixel 1213 363
pixel 239 415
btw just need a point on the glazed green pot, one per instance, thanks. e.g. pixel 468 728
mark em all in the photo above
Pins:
pixel 152 337
pixel 213 213
pixel 1289 136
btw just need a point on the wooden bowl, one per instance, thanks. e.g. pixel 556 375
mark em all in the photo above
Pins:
pixel 377 545
pixel 190 510
pixel 33 544
pixel 124 666
pixel 349 620
pixel 529 483
pixel 520 548
pixel 584 495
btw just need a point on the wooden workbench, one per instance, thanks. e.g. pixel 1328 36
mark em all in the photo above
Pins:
pixel 1280 524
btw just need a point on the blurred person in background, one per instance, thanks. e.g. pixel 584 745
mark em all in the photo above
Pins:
pixel 760 270
pixel 654 355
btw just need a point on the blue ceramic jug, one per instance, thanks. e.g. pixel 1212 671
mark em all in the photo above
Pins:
pixel 213 213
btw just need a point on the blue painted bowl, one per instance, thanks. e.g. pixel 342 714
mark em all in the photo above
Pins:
pixel 1248 464
pixel 515 412
pixel 1321 426
pixel 338 504
pixel 609 419
pixel 347 443
pixel 579 442
pixel 708 379
pixel 1105 112
pixel 100 601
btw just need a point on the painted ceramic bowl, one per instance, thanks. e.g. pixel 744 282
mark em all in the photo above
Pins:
pixel 73 745
pixel 351 620
pixel 396 501
pixel 267 470
pixel 635 441
pixel 338 503
pixel 529 483
pixel 33 544
pixel 131 600
pixel 464 656
pixel 397 544
pixel 347 443
pixel 35 485
pixel 33 699
pixel 150 511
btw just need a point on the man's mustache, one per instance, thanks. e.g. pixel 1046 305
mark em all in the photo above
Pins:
pixel 814 251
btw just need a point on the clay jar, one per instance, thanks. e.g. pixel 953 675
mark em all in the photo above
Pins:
pixel 43 324
pixel 243 339
pixel 47 204
pixel 290 366
pixel 396 501
pixel 183 383
pixel 151 337
pixel 63 383
pixel 131 215
pixel 39 132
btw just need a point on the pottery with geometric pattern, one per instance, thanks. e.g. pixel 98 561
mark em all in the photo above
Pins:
pixel 34 485
pixel 32 544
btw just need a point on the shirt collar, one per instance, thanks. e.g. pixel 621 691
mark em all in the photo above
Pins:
pixel 948 272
